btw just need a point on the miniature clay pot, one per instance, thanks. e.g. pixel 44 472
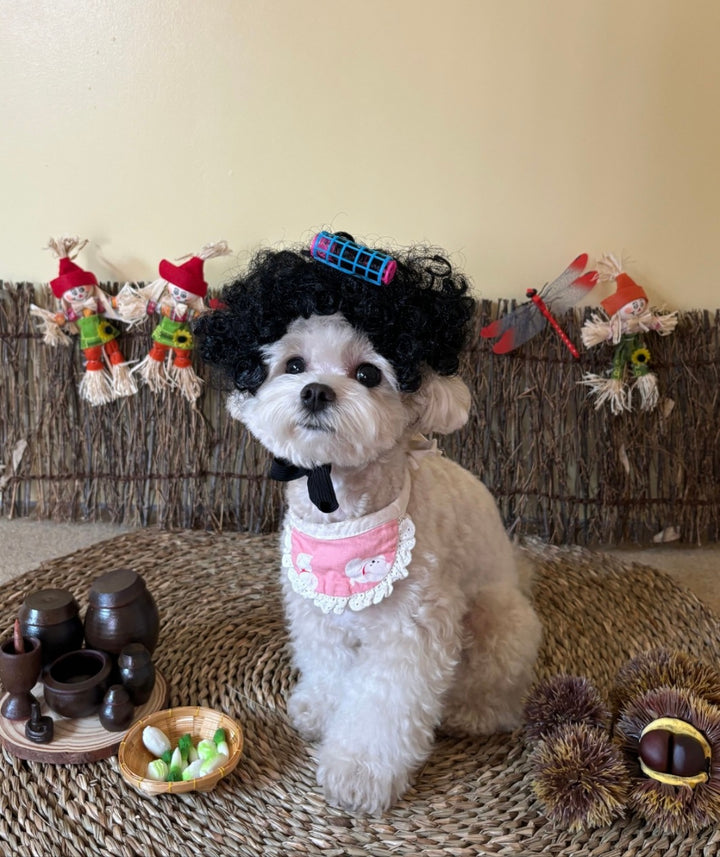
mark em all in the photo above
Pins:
pixel 53 616
pixel 137 672
pixel 19 671
pixel 121 611
pixel 117 711
pixel 76 682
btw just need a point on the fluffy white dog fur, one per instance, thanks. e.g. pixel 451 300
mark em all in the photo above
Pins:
pixel 455 643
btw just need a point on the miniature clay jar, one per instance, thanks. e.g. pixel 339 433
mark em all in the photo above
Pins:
pixel 121 611
pixel 76 682
pixel 137 672
pixel 53 616
pixel 117 711
pixel 19 671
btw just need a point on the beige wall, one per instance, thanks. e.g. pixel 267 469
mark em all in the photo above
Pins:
pixel 514 133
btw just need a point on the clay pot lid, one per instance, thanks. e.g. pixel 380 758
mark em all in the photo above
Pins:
pixel 134 654
pixel 115 588
pixel 48 607
pixel 115 695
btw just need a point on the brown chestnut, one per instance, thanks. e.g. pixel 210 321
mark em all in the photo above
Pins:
pixel 674 752
pixel 655 749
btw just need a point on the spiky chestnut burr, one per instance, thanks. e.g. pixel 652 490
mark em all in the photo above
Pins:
pixel 580 777
pixel 560 700
pixel 683 797
pixel 661 668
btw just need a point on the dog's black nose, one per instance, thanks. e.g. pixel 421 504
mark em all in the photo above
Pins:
pixel 316 397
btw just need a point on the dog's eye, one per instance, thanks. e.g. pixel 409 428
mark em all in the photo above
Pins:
pixel 368 375
pixel 295 366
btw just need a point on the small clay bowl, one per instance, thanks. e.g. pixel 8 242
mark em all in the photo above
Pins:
pixel 76 682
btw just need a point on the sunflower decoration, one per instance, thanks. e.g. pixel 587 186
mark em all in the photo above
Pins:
pixel 624 323
pixel 106 331
pixel 178 296
pixel 660 758
pixel 182 338
pixel 640 357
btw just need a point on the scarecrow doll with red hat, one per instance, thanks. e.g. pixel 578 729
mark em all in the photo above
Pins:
pixel 84 309
pixel 628 319
pixel 177 297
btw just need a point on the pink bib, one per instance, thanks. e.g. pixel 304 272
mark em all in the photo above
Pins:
pixel 350 563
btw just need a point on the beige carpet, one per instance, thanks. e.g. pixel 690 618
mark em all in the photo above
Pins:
pixel 698 568
pixel 25 543
pixel 223 644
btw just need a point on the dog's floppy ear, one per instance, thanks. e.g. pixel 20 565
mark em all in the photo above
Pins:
pixel 441 405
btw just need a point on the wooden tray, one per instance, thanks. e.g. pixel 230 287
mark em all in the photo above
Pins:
pixel 77 741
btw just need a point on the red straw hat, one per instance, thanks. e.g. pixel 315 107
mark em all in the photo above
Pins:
pixel 627 291
pixel 188 276
pixel 70 277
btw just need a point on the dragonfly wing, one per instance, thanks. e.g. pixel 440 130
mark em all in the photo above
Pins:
pixel 570 287
pixel 495 328
pixel 515 328
pixel 575 292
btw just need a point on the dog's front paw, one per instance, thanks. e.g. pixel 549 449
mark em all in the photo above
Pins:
pixel 307 714
pixel 359 784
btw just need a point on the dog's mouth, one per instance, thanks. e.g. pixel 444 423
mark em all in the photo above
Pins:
pixel 315 425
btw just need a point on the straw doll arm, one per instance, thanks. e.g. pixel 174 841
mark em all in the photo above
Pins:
pixel 596 330
pixel 107 305
pixel 51 326
pixel 661 323
pixel 133 304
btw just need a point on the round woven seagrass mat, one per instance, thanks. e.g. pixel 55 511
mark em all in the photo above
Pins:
pixel 223 644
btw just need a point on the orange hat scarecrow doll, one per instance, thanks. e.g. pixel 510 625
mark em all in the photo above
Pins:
pixel 627 319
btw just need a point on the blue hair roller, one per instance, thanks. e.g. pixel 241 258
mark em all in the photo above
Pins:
pixel 345 255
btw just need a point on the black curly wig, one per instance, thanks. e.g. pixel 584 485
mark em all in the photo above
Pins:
pixel 422 318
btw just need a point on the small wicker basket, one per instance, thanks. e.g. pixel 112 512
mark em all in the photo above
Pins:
pixel 133 757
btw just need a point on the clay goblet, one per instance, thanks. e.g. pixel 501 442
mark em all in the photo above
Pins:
pixel 19 671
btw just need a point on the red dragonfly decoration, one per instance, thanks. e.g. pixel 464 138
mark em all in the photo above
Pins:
pixel 527 320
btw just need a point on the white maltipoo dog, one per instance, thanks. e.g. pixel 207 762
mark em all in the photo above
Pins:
pixel 403 601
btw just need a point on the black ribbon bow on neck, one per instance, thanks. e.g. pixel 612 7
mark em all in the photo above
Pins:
pixel 320 487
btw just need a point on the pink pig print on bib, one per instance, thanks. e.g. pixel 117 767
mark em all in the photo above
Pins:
pixel 350 563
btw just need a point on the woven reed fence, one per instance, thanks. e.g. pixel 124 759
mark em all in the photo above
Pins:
pixel 559 468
